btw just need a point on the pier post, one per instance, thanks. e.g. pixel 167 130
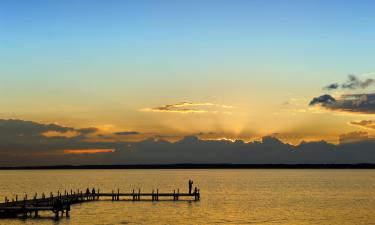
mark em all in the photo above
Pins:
pixel 139 194
pixel 174 195
pixel 152 195
pixel 67 210
pixel 118 194
pixel 133 195
pixel 157 194
pixel 113 195
pixel 178 193
pixel 24 211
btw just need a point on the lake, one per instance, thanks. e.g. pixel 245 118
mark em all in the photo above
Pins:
pixel 248 196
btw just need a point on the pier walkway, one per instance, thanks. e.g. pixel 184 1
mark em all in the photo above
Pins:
pixel 60 204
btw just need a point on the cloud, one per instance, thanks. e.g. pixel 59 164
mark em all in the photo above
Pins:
pixel 207 133
pixel 125 133
pixel 66 134
pixel 189 107
pixel 368 124
pixel 355 103
pixel 332 86
pixel 32 148
pixel 352 83
pixel 350 102
pixel 28 137
pixel 352 137
pixel 26 129
pixel 86 131
pixel 323 99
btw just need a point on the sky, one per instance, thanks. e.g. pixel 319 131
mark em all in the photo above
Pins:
pixel 233 70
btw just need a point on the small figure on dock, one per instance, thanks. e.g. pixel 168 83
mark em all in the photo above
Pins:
pixel 197 195
pixel 87 191
pixel 93 194
pixel 190 186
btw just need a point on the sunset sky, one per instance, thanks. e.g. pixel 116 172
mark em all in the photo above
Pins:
pixel 166 69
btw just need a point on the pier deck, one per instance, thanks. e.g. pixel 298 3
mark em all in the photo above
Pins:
pixel 60 204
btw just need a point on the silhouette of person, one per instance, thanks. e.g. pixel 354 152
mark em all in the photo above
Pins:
pixel 93 193
pixel 190 186
pixel 87 191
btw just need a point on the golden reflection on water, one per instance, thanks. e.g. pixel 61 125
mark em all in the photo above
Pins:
pixel 228 196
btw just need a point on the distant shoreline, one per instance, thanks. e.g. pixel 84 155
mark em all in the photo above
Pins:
pixel 197 166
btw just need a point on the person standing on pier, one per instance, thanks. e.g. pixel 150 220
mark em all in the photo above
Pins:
pixel 190 186
pixel 93 194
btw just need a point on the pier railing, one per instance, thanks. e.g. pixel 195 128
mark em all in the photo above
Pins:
pixel 60 204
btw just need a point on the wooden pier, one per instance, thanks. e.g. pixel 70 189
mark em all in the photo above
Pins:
pixel 60 204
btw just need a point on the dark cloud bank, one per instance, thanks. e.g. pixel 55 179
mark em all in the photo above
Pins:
pixel 356 103
pixel 21 144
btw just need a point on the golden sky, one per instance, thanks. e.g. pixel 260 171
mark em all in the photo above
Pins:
pixel 223 70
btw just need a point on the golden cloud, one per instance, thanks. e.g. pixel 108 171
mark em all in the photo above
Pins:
pixel 66 134
pixel 189 107
pixel 368 124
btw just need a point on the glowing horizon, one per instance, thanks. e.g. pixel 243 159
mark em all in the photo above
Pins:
pixel 168 69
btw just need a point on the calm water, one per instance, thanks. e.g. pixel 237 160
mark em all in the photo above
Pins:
pixel 228 196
